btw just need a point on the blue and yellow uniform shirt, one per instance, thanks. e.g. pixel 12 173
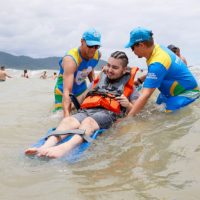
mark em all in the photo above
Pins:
pixel 84 67
pixel 171 76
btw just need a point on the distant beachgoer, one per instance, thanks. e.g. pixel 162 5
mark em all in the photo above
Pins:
pixel 75 67
pixel 44 75
pixel 3 74
pixel 177 51
pixel 25 74
pixel 54 76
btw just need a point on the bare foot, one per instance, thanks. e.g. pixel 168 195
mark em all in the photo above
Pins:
pixel 34 150
pixel 53 152
pixel 49 143
pixel 31 151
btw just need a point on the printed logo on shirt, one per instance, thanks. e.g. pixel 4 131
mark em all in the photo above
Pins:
pixel 152 76
pixel 82 75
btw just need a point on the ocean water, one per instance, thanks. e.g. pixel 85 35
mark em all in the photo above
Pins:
pixel 153 156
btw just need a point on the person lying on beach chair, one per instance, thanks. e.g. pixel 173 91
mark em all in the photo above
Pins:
pixel 111 97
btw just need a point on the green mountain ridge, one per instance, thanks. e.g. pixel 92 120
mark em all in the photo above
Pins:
pixel 26 62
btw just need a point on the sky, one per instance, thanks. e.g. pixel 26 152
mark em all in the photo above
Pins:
pixel 43 28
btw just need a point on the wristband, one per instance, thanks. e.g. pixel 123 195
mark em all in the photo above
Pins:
pixel 140 81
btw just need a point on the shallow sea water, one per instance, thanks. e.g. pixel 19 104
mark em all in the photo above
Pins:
pixel 154 156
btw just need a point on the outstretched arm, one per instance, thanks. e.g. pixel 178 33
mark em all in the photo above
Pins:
pixel 8 76
pixel 141 101
pixel 139 80
pixel 69 67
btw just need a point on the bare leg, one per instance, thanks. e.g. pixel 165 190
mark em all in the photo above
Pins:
pixel 88 124
pixel 66 123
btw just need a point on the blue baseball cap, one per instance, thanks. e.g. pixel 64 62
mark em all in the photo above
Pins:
pixel 139 34
pixel 92 37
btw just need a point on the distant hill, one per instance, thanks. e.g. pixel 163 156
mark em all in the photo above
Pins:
pixel 25 62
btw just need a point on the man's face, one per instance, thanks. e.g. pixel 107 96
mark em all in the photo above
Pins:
pixel 89 50
pixel 138 49
pixel 114 68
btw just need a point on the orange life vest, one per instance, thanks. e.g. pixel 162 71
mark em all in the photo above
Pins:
pixel 101 96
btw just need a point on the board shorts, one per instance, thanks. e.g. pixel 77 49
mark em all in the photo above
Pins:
pixel 176 102
pixel 103 117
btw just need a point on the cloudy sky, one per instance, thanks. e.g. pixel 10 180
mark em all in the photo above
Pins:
pixel 42 28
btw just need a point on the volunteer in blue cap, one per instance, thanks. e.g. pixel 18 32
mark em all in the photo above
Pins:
pixel 166 72
pixel 75 67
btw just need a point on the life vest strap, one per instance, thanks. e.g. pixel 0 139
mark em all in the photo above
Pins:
pixel 111 95
pixel 74 101
pixel 80 132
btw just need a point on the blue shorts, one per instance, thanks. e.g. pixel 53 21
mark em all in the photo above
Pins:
pixel 103 117
pixel 176 102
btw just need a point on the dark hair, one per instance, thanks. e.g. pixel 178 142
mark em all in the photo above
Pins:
pixel 173 48
pixel 122 56
pixel 149 42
